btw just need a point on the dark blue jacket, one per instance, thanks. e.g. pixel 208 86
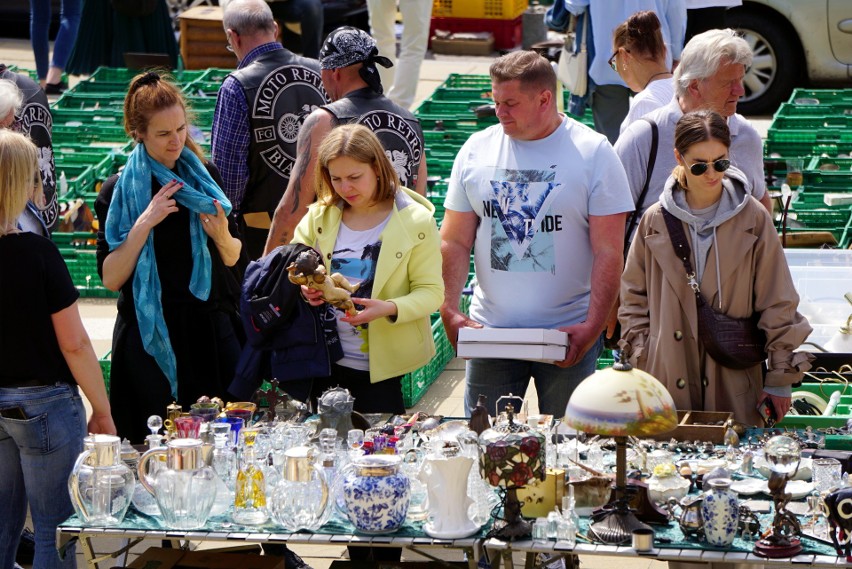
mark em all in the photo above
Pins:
pixel 285 339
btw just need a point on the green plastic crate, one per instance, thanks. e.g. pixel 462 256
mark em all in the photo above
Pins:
pixel 106 368
pixel 416 383
pixel 467 81
pixel 823 96
pixel 80 177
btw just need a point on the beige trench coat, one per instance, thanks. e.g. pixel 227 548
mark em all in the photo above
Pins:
pixel 659 318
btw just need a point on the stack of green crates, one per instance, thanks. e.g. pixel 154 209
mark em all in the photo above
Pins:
pixel 815 125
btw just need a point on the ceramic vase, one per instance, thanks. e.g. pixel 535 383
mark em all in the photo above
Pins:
pixel 446 482
pixel 376 494
pixel 720 510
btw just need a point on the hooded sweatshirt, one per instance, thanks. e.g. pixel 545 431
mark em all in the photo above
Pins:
pixel 703 223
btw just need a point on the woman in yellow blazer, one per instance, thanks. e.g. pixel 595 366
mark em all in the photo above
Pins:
pixel 382 237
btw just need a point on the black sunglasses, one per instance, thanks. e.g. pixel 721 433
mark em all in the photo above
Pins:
pixel 720 165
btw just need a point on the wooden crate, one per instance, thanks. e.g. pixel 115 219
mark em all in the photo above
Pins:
pixel 698 426
pixel 203 42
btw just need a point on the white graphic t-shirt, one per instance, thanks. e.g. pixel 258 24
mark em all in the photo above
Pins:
pixel 532 252
pixel 355 256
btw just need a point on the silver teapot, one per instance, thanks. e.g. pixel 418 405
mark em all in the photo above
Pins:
pixel 690 518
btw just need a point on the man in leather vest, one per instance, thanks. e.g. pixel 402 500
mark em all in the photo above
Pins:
pixel 348 60
pixel 34 120
pixel 259 112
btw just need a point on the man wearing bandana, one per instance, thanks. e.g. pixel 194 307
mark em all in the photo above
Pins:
pixel 348 61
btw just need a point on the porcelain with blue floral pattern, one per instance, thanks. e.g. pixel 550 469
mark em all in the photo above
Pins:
pixel 720 510
pixel 376 493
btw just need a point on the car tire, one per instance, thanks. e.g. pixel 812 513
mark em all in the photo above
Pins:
pixel 771 78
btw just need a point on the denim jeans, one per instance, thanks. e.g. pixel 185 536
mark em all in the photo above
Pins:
pixel 496 378
pixel 309 14
pixel 36 457
pixel 69 22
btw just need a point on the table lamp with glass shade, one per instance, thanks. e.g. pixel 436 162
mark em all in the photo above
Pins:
pixel 620 402
pixel 513 456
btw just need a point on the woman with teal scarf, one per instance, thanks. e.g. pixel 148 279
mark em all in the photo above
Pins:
pixel 168 244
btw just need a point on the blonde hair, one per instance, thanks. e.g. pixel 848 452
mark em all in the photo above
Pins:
pixel 18 171
pixel 361 144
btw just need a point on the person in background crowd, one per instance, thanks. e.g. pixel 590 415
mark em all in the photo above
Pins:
pixel 402 78
pixel 50 78
pixel 46 356
pixel 309 14
pixel 258 116
pixel 705 15
pixel 542 200
pixel 33 119
pixel 608 95
pixel 111 28
pixel 639 58
pixel 740 268
pixel 348 60
pixel 169 246
pixel 710 76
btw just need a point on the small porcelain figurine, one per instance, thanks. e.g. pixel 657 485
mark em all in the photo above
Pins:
pixel 308 270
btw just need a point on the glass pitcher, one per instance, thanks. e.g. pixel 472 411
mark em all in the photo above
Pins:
pixel 301 498
pixel 184 487
pixel 101 485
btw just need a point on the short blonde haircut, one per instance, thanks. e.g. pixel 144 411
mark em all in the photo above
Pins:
pixel 361 144
pixel 18 171
pixel 11 98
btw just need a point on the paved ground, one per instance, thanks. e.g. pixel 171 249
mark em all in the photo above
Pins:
pixel 445 397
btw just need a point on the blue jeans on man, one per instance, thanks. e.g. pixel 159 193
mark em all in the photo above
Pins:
pixel 37 455
pixel 554 385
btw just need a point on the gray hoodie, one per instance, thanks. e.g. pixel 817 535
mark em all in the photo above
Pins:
pixel 735 195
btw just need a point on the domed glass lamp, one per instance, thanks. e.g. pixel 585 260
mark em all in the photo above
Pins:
pixel 620 402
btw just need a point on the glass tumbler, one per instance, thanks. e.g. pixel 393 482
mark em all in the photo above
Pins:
pixel 827 474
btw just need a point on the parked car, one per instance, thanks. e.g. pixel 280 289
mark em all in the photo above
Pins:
pixel 795 42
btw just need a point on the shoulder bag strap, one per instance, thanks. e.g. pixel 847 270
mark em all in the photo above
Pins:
pixel 682 251
pixel 652 159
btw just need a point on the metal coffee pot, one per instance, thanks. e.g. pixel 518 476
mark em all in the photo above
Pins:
pixel 184 487
pixel 690 519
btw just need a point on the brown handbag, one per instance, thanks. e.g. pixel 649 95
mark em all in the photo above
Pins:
pixel 736 343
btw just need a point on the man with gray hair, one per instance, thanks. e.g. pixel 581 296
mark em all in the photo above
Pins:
pixel 710 76
pixel 259 112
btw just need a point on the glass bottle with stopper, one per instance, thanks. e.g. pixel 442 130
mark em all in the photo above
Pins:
pixel 154 440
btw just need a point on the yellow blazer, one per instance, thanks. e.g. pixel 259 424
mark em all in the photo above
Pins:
pixel 408 273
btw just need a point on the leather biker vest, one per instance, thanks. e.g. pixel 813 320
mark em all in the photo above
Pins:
pixel 282 89
pixel 397 129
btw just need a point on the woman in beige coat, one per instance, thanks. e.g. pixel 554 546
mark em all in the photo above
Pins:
pixel 740 267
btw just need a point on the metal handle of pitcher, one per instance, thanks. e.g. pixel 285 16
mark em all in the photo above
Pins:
pixel 142 467
pixel 74 482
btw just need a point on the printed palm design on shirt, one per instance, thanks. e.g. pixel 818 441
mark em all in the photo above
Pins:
pixel 520 200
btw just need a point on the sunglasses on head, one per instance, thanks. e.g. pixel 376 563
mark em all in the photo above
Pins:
pixel 699 168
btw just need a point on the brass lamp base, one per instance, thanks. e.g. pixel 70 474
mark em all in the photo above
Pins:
pixel 512 525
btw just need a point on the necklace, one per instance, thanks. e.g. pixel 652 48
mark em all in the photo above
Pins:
pixel 651 78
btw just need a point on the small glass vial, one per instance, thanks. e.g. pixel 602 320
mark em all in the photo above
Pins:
pixel 566 531
pixel 552 523
pixel 539 529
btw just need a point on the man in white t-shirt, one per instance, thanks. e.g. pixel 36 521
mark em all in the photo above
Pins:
pixel 541 200
pixel 710 76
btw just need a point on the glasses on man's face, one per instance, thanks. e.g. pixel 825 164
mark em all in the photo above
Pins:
pixel 699 168
pixel 612 62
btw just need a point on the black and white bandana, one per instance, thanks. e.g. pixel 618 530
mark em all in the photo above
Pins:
pixel 347 46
